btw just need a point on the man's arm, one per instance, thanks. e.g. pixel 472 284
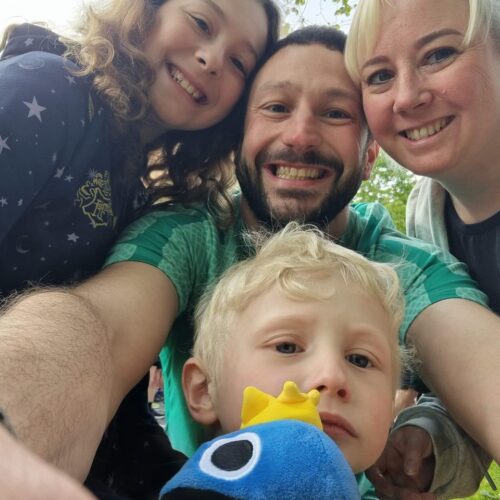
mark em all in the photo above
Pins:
pixel 458 344
pixel 24 476
pixel 70 356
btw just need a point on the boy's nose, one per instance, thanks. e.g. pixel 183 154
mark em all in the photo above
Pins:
pixel 331 378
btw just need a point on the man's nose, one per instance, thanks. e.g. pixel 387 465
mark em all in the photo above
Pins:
pixel 410 92
pixel 302 132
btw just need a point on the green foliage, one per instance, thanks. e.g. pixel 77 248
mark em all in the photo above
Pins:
pixel 344 6
pixel 390 185
pixel 485 492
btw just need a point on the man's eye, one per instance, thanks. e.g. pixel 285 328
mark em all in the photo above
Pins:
pixel 276 108
pixel 239 66
pixel 337 114
pixel 440 55
pixel 203 25
pixel 287 348
pixel 359 360
pixel 379 78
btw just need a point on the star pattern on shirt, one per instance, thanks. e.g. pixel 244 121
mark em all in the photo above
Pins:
pixel 71 79
pixel 59 173
pixel 3 144
pixel 3 201
pixel 35 109
pixel 73 237
pixel 29 41
pixel 69 178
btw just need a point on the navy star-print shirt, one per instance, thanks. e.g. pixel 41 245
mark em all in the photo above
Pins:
pixel 62 196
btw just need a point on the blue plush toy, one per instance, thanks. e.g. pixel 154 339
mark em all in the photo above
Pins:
pixel 280 459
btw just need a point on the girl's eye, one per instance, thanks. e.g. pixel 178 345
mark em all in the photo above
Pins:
pixel 379 78
pixel 359 360
pixel 287 348
pixel 440 55
pixel 203 25
pixel 239 66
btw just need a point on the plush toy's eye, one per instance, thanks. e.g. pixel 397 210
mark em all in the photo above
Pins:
pixel 232 458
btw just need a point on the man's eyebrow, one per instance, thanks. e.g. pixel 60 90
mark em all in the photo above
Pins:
pixel 289 85
pixel 222 15
pixel 273 85
pixel 421 42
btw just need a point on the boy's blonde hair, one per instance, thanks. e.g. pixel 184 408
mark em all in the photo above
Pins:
pixel 484 21
pixel 297 259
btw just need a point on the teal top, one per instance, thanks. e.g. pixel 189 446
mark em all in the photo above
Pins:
pixel 186 245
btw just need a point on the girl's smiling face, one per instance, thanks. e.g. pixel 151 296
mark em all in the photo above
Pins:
pixel 431 103
pixel 202 52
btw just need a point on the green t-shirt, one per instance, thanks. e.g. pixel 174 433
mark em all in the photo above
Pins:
pixel 187 246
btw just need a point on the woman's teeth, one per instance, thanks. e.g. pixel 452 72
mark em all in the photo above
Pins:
pixel 423 132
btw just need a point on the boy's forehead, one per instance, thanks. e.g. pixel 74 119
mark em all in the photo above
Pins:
pixel 302 65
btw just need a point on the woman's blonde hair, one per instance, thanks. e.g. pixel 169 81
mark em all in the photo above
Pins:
pixel 484 21
pixel 297 260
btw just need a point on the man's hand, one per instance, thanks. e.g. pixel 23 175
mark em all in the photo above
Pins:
pixel 25 476
pixel 406 467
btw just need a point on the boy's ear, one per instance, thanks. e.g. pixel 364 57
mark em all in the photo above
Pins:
pixel 372 151
pixel 195 386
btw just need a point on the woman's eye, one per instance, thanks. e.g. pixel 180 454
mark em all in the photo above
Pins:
pixel 440 55
pixel 379 78
pixel 359 360
pixel 239 66
pixel 287 348
pixel 203 25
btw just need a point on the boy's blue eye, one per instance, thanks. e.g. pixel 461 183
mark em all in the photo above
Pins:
pixel 287 348
pixel 358 360
pixel 440 55
pixel 337 114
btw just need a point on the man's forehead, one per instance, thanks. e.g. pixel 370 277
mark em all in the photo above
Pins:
pixel 299 65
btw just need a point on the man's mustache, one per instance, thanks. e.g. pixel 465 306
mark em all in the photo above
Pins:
pixel 291 157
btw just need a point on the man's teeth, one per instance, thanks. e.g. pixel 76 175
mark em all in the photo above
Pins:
pixel 423 132
pixel 181 80
pixel 298 173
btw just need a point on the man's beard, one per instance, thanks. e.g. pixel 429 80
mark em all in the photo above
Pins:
pixel 341 193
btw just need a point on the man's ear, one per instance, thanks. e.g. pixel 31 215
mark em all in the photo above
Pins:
pixel 195 387
pixel 371 154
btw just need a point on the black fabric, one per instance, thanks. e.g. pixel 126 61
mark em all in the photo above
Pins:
pixel 63 202
pixel 478 245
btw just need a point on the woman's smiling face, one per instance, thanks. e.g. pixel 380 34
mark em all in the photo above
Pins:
pixel 432 104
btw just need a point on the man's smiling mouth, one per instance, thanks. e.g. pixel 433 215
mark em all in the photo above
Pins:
pixel 297 173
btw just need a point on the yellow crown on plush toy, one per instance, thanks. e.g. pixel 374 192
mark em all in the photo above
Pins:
pixel 259 407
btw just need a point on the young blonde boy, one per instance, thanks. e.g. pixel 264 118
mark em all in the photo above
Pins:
pixel 307 310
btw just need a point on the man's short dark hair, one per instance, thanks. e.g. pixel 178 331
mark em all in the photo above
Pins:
pixel 329 37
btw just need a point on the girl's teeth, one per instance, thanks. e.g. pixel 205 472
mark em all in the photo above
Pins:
pixel 179 78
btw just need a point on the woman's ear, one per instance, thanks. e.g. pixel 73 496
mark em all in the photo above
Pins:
pixel 195 387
